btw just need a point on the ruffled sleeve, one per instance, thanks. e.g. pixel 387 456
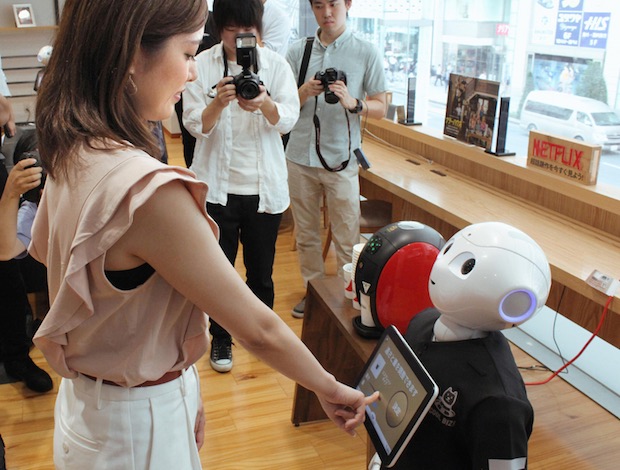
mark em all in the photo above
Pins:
pixel 106 213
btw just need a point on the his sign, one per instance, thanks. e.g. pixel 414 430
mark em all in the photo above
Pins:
pixel 568 158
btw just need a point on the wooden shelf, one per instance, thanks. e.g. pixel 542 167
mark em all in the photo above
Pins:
pixel 33 28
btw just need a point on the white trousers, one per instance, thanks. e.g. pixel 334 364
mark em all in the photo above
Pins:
pixel 105 427
pixel 342 194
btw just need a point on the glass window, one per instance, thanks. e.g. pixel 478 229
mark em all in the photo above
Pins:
pixel 584 118
pixel 558 46
pixel 555 59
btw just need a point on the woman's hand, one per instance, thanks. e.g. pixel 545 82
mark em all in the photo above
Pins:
pixel 346 407
pixel 199 426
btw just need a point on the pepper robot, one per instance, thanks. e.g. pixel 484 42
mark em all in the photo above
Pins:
pixel 488 277
pixel 43 57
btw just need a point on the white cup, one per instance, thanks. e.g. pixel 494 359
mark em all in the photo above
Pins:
pixel 349 288
pixel 357 250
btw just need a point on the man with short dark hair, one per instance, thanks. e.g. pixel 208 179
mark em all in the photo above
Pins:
pixel 350 84
pixel 239 150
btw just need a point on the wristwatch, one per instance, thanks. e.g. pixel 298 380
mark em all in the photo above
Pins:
pixel 358 107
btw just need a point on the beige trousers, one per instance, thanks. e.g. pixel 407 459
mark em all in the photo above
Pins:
pixel 342 194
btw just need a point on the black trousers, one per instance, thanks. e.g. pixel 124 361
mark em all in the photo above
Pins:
pixel 14 308
pixel 189 141
pixel 239 221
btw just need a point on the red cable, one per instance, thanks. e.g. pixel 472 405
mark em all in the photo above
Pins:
pixel 594 334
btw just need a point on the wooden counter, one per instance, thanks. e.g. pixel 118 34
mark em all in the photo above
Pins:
pixel 446 200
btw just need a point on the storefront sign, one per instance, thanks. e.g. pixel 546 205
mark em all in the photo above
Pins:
pixel 595 30
pixel 568 28
pixel 502 29
pixel 568 158
pixel 577 25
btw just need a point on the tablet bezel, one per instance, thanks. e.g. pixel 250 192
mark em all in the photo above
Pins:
pixel 430 389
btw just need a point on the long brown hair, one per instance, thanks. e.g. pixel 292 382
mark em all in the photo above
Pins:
pixel 84 96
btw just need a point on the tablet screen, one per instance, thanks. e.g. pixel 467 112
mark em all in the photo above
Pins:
pixel 407 393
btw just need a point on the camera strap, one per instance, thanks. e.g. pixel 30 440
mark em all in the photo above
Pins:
pixel 317 140
pixel 302 76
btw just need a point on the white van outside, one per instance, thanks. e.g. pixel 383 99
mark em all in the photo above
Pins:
pixel 571 116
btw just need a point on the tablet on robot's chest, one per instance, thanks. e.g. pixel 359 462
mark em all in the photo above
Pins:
pixel 406 390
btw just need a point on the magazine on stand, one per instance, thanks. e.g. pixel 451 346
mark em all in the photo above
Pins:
pixel 471 110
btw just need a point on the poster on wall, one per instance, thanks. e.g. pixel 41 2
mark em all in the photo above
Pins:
pixel 471 109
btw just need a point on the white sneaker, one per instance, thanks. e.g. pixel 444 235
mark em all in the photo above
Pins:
pixel 298 310
pixel 221 354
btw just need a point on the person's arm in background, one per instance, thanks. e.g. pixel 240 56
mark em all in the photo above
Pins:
pixel 203 104
pixel 276 28
pixel 312 87
pixel 196 266
pixel 7 118
pixel 373 106
pixel 5 110
pixel 20 180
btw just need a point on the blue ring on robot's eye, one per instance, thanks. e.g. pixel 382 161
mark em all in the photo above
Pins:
pixel 520 318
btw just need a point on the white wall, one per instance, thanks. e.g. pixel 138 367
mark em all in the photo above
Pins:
pixel 25 43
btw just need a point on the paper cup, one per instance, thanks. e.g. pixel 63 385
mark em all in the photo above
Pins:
pixel 349 289
pixel 357 250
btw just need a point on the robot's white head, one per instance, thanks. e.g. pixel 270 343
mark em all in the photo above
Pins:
pixel 490 276
pixel 44 54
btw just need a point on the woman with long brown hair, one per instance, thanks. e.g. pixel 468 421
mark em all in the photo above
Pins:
pixel 133 259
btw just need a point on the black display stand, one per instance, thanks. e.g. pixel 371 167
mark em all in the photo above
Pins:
pixel 502 127
pixel 409 118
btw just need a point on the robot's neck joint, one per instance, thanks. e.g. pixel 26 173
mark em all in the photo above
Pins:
pixel 447 330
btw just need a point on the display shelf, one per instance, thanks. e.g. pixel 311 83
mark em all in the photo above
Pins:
pixel 13 29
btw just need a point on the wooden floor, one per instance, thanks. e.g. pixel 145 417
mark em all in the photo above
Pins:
pixel 248 410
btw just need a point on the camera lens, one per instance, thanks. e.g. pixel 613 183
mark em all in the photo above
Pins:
pixel 248 89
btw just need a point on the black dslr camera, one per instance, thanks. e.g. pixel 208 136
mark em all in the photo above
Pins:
pixel 327 77
pixel 247 82
pixel 34 194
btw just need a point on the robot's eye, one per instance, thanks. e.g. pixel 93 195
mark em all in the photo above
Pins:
pixel 468 266
pixel 447 248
